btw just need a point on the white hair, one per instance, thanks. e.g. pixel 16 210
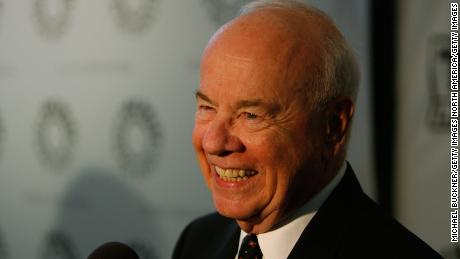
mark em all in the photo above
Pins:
pixel 338 74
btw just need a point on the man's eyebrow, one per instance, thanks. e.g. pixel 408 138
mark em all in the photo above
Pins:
pixel 249 103
pixel 204 97
pixel 271 108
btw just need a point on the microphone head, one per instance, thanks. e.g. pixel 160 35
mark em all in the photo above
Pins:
pixel 113 250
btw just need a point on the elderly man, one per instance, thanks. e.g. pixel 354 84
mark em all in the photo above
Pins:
pixel 274 109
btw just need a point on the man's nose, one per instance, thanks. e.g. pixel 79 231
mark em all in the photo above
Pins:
pixel 219 140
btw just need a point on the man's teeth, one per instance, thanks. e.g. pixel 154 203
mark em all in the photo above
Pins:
pixel 234 175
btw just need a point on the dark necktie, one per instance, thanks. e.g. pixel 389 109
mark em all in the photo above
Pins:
pixel 250 248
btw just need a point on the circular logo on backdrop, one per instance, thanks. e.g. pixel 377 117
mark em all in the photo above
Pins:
pixel 52 17
pixel 56 134
pixel 58 245
pixel 133 16
pixel 138 138
pixel 222 11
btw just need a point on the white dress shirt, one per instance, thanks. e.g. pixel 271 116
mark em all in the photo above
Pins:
pixel 278 243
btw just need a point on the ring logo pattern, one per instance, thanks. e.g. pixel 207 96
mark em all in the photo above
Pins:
pixel 52 17
pixel 133 16
pixel 138 137
pixel 56 134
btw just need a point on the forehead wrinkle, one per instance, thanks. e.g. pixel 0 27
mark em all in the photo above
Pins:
pixel 232 66
pixel 237 64
pixel 239 58
pixel 248 103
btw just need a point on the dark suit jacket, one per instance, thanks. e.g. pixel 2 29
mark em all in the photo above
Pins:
pixel 348 225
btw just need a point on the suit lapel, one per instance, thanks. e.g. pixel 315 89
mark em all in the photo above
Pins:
pixel 323 236
pixel 229 245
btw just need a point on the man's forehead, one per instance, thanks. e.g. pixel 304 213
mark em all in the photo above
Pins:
pixel 248 56
pixel 243 71
pixel 239 59
pixel 229 62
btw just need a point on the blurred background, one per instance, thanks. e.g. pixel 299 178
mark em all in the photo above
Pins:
pixel 97 106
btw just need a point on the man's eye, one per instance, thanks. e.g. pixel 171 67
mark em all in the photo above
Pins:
pixel 204 112
pixel 250 116
pixel 253 121
pixel 205 108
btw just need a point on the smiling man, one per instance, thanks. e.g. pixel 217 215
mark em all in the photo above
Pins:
pixel 274 108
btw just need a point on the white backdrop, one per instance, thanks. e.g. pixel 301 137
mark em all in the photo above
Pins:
pixel 96 112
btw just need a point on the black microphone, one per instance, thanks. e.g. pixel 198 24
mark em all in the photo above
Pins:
pixel 113 250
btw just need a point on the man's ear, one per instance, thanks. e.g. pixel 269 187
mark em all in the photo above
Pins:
pixel 339 113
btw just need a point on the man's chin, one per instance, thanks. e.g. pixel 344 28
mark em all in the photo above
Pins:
pixel 234 211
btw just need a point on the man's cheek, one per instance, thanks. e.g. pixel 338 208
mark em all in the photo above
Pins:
pixel 197 139
pixel 202 161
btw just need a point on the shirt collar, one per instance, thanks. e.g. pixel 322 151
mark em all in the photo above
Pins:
pixel 279 242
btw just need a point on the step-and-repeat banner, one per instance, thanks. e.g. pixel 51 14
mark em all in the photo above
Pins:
pixel 96 112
